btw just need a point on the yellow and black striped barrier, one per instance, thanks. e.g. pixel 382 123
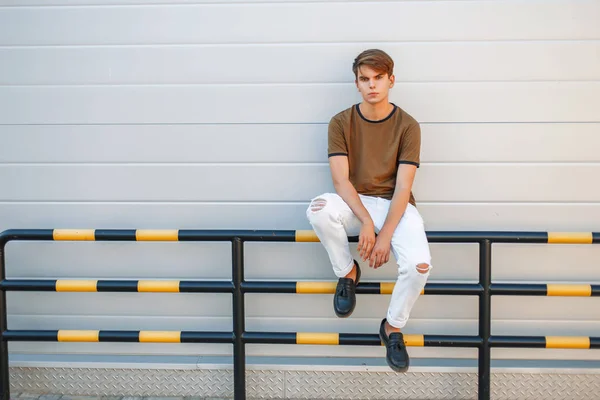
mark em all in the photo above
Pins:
pixel 299 287
pixel 328 287
pixel 153 286
pixel 548 289
pixel 307 338
pixel 363 339
pixel 182 235
pixel 303 338
pixel 118 336
pixel 546 342
pixel 484 289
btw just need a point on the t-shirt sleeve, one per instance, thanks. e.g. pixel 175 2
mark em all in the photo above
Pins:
pixel 410 146
pixel 336 142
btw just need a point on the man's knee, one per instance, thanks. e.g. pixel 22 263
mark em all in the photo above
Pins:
pixel 318 210
pixel 422 268
pixel 317 204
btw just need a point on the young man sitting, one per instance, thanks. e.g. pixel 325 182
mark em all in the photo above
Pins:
pixel 374 152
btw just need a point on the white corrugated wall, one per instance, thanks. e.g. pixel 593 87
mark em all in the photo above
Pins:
pixel 205 114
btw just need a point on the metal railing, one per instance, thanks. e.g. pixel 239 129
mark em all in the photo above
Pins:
pixel 238 286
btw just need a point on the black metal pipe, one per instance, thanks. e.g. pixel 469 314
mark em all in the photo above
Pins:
pixel 4 378
pixel 268 287
pixel 270 337
pixel 492 236
pixel 518 341
pixel 120 235
pixel 485 310
pixel 206 287
pixel 207 337
pixel 452 341
pixel 25 234
pixel 239 348
pixel 29 336
pixel 243 235
pixel 512 289
pixel 37 285
pixel 472 289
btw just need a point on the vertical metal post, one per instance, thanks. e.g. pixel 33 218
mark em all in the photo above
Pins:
pixel 4 379
pixel 485 318
pixel 239 349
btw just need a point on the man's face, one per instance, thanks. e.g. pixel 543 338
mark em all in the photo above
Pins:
pixel 373 85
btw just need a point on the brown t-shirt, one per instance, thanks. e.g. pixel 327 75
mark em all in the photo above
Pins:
pixel 375 148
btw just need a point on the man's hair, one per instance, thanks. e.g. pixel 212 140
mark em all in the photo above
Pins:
pixel 377 59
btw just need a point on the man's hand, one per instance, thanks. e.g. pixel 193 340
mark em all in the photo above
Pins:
pixel 381 252
pixel 366 240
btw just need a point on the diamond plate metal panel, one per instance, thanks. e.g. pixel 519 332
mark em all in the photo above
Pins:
pixel 380 385
pixel 274 384
pixel 123 382
pixel 142 382
pixel 545 386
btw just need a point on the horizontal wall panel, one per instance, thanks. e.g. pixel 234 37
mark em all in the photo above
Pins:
pixel 164 143
pixel 544 263
pixel 547 263
pixel 198 305
pixel 209 261
pixel 286 143
pixel 119 260
pixel 414 62
pixel 247 182
pixel 427 102
pixel 509 142
pixel 544 308
pixel 165 305
pixel 330 22
pixel 438 216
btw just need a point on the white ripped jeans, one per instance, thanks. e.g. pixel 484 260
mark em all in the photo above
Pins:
pixel 335 221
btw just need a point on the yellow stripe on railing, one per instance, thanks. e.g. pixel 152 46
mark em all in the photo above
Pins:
pixel 150 235
pixel 315 287
pixel 570 237
pixel 569 290
pixel 158 286
pixel 160 337
pixel 306 236
pixel 78 336
pixel 567 342
pixel 414 340
pixel 317 338
pixel 74 234
pixel 67 285
pixel 386 287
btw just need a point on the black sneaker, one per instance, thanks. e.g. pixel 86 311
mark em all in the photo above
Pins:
pixel 344 299
pixel 396 356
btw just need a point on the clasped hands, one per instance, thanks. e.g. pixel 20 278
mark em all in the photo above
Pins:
pixel 376 249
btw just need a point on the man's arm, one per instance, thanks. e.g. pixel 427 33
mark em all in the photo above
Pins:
pixel 404 181
pixel 340 173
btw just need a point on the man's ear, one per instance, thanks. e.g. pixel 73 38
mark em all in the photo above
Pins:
pixel 392 80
